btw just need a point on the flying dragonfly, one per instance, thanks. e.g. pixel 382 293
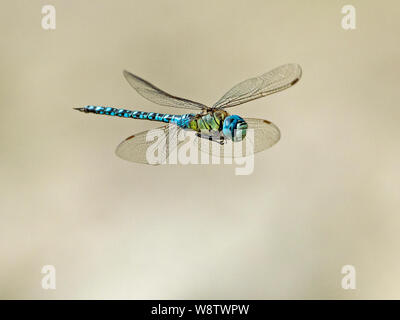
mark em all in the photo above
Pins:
pixel 214 123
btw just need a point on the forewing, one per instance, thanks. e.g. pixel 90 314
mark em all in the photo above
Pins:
pixel 156 95
pixel 273 81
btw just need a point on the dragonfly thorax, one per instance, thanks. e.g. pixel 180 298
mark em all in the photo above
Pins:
pixel 219 122
pixel 212 121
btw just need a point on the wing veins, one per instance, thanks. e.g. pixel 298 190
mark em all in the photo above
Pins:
pixel 270 82
pixel 158 96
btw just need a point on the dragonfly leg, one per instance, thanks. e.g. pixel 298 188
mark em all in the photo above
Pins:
pixel 217 139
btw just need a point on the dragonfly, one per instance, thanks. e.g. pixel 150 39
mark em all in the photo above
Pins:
pixel 213 124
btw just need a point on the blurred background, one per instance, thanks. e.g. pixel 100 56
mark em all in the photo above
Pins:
pixel 325 196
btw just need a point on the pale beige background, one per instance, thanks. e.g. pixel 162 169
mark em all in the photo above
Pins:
pixel 326 195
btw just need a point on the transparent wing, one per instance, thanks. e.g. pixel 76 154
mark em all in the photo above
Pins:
pixel 261 135
pixel 266 134
pixel 156 95
pixel 273 81
pixel 155 146
pixel 151 146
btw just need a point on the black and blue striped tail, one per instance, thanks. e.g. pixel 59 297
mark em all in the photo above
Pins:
pixel 180 120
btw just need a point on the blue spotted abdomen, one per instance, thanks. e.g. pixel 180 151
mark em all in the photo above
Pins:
pixel 181 120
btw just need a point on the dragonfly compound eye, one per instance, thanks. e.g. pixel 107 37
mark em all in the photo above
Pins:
pixel 234 128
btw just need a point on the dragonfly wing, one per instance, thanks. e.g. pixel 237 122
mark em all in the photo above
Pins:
pixel 266 134
pixel 149 146
pixel 273 81
pixel 156 95
pixel 261 135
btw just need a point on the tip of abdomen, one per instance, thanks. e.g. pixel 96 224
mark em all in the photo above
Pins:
pixel 80 109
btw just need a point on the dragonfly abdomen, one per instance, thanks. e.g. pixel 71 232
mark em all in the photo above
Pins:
pixel 180 120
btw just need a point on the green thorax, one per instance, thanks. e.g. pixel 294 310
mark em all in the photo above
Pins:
pixel 211 121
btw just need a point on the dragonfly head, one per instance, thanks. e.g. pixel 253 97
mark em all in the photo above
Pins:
pixel 234 128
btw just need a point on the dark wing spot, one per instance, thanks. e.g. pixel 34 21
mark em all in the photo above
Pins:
pixel 266 121
pixel 130 137
pixel 294 81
